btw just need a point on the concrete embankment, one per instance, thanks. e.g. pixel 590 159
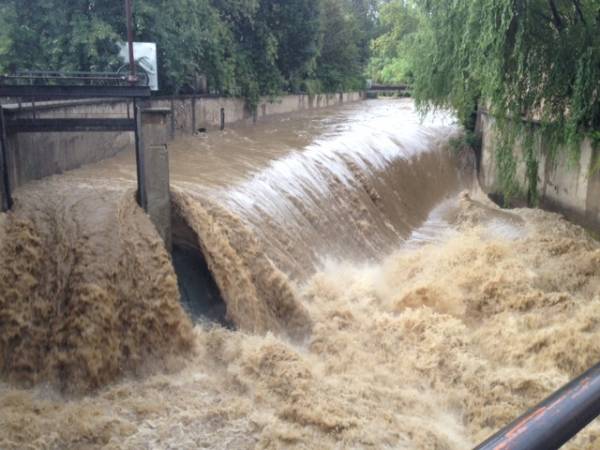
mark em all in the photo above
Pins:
pixel 36 155
pixel 569 187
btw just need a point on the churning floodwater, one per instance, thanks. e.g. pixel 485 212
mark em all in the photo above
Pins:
pixel 364 294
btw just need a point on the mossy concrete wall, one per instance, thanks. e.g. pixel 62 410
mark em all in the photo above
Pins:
pixel 564 184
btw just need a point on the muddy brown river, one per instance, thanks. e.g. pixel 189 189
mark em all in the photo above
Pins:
pixel 373 296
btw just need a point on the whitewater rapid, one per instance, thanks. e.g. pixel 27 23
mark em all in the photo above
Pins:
pixel 377 299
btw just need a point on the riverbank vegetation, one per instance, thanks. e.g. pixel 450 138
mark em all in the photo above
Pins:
pixel 244 48
pixel 537 60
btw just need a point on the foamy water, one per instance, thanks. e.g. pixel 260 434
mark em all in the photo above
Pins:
pixel 378 304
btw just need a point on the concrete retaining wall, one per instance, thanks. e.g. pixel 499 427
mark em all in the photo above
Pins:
pixel 37 155
pixel 565 186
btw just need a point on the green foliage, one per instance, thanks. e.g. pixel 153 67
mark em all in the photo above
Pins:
pixel 391 62
pixel 72 35
pixel 390 70
pixel 296 24
pixel 339 63
pixel 312 87
pixel 191 40
pixel 595 166
pixel 366 14
pixel 242 47
pixel 6 15
pixel 467 140
pixel 507 164
pixel 533 59
pixel 529 137
pixel 595 137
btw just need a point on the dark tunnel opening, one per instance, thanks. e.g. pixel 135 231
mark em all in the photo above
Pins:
pixel 200 296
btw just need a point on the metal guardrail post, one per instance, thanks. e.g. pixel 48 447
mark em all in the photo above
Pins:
pixel 129 17
pixel 555 420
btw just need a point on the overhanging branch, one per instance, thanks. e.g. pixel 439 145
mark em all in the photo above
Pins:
pixel 577 4
pixel 556 19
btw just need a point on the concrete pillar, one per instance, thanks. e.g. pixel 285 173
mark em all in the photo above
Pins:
pixel 154 134
pixel 5 185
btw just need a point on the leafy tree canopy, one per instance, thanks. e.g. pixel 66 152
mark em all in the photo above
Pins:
pixel 538 58
pixel 533 59
pixel 242 47
pixel 339 63
pixel 391 49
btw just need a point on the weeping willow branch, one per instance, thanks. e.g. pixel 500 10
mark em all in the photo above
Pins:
pixel 539 59
pixel 556 19
pixel 579 11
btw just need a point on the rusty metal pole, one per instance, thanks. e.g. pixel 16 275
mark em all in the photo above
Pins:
pixel 139 142
pixel 555 420
pixel 128 13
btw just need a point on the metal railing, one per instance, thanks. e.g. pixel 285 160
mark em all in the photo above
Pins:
pixel 555 420
pixel 45 78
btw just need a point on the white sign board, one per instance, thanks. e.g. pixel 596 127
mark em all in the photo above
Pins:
pixel 144 54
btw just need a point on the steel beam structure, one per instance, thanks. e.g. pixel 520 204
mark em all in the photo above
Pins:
pixel 70 91
pixel 60 85
pixel 129 17
pixel 67 125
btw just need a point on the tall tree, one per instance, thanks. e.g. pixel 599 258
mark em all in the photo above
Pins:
pixel 191 40
pixel 536 58
pixel 367 16
pixel 243 47
pixel 60 35
pixel 390 61
pixel 339 64
pixel 296 25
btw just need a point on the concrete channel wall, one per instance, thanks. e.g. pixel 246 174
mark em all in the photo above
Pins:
pixel 37 155
pixel 569 187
